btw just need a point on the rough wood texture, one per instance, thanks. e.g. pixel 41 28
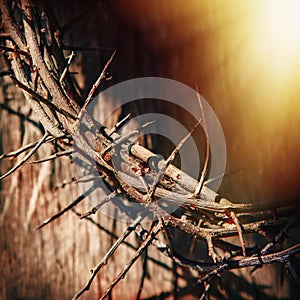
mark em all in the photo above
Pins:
pixel 53 263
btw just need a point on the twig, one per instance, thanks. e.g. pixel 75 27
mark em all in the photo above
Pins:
pixel 47 121
pixel 205 292
pixel 55 53
pixel 182 179
pixel 227 231
pixel 286 228
pixel 60 99
pixel 67 67
pixel 77 180
pixel 66 182
pixel 54 156
pixel 211 251
pixel 5 35
pixel 74 203
pixel 11 26
pixel 102 228
pixel 108 255
pixel 281 256
pixel 38 97
pixel 26 157
pixel 137 254
pixel 19 151
pixel 191 229
pixel 95 87
pixel 119 125
pixel 165 249
pixel 171 253
pixel 124 137
pixel 239 230
pixel 205 166
pixel 114 236
pixel 166 163
pixel 282 232
pixel 15 50
pixel 99 205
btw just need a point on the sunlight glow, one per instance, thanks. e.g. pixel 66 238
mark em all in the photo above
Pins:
pixel 284 19
pixel 281 28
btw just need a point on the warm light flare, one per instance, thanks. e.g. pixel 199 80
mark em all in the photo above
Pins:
pixel 283 17
pixel 281 29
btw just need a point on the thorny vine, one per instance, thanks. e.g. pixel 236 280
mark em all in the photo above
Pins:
pixel 34 55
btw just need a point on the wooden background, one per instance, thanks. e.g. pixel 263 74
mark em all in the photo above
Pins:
pixel 211 42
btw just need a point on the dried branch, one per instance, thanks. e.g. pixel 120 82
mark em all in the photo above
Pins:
pixel 94 89
pixel 166 163
pixel 108 255
pixel 19 151
pixel 124 138
pixel 15 50
pixel 281 256
pixel 62 77
pixel 52 85
pixel 239 230
pixel 38 97
pixel 139 231
pixel 119 125
pixel 137 254
pixel 279 236
pixel 205 292
pixel 11 26
pixel 205 166
pixel 70 206
pixel 53 156
pixel 26 157
pixel 185 181
pixel 211 251
pixel 99 205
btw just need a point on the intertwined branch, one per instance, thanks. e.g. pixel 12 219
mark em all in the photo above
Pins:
pixel 35 62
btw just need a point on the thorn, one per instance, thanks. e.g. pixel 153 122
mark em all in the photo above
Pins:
pixel 61 212
pixel 27 156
